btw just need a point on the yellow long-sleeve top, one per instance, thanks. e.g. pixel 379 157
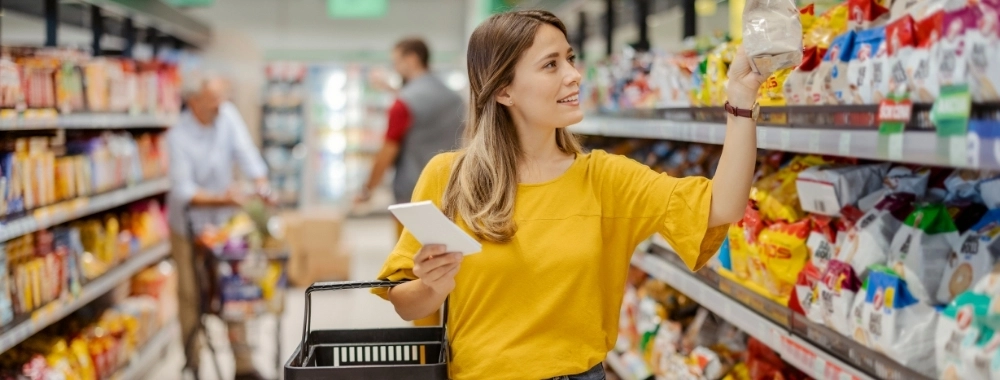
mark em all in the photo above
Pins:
pixel 547 303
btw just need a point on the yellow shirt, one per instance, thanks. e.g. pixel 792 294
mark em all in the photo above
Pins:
pixel 547 303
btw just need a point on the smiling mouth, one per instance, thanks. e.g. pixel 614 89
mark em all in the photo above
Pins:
pixel 570 99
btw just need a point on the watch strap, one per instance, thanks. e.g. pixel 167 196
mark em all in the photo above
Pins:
pixel 740 112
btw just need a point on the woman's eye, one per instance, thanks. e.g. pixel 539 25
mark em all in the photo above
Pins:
pixel 550 64
pixel 572 59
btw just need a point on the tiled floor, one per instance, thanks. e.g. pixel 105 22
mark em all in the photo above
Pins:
pixel 370 239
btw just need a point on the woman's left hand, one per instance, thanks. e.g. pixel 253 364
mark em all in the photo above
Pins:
pixel 743 82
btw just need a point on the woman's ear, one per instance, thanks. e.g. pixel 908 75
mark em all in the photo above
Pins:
pixel 503 97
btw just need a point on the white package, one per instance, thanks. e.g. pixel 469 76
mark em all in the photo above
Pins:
pixel 772 35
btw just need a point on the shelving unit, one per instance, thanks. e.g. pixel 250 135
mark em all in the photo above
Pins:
pixel 24 328
pixel 88 121
pixel 917 146
pixel 66 211
pixel 152 352
pixel 284 130
pixel 816 350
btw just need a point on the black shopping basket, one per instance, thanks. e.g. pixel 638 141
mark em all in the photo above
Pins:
pixel 374 354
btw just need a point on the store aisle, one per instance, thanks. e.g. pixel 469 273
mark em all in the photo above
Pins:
pixel 370 240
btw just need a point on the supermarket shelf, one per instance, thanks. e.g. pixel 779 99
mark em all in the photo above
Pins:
pixel 809 358
pixel 918 147
pixel 89 121
pixel 615 362
pixel 77 208
pixel 148 356
pixel 59 309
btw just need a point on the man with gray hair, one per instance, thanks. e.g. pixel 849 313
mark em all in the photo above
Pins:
pixel 209 139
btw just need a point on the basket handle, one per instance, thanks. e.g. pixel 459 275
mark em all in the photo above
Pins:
pixel 343 285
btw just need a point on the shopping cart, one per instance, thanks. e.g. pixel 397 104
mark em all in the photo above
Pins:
pixel 375 354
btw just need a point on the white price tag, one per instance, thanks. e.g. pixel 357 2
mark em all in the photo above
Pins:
pixel 957 150
pixel 896 146
pixel 819 368
pixel 845 144
pixel 814 142
pixel 786 139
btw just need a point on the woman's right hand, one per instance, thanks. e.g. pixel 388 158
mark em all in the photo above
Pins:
pixel 436 268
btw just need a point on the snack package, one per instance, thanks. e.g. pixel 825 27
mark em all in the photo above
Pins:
pixel 772 35
pixel 821 242
pixel 952 54
pixel 825 190
pixel 772 93
pixel 977 351
pixel 776 194
pixel 920 251
pixel 860 69
pixel 952 329
pixel 984 53
pixel 925 73
pixel 832 86
pixel 868 242
pixel 896 323
pixel 803 299
pixel 973 257
pixel 716 78
pixel 795 88
pixel 830 24
pixel 836 290
pixel 865 14
pixel 857 317
pixel 900 179
pixel 900 42
pixel 784 254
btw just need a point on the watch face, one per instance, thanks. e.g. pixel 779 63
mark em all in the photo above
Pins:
pixel 755 112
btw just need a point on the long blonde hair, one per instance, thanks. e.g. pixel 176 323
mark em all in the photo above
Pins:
pixel 484 177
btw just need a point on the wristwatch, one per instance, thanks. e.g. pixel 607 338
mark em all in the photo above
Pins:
pixel 752 113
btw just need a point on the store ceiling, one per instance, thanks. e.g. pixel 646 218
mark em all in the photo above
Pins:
pixel 301 29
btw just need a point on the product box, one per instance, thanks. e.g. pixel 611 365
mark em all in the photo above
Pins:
pixel 317 253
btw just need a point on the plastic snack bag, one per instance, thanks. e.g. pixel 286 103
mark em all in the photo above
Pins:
pixel 834 86
pixel 865 14
pixel 772 35
pixel 984 53
pixel 784 254
pixel 896 323
pixel 836 290
pixel 825 190
pixel 925 73
pixel 920 251
pixel 821 242
pixel 795 88
pixel 803 299
pixel 772 92
pixel 900 42
pixel 952 52
pixel 953 327
pixel 860 68
pixel 900 179
pixel 869 241
pixel 973 256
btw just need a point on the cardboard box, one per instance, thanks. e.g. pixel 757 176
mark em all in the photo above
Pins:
pixel 316 250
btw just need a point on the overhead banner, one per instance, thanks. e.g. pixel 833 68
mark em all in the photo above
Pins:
pixel 356 9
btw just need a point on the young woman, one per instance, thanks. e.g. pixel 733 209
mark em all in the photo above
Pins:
pixel 558 225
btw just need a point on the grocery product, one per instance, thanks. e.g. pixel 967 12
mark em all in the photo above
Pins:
pixel 795 88
pixel 920 249
pixel 868 242
pixel 783 253
pixel 984 53
pixel 772 93
pixel 865 14
pixel 836 291
pixel 772 35
pixel 861 68
pixel 826 190
pixel 776 194
pixel 899 179
pixel 952 329
pixel 895 323
pixel 900 42
pixel 925 74
pixel 804 299
pixel 973 256
pixel 952 53
pixel 822 241
pixel 831 86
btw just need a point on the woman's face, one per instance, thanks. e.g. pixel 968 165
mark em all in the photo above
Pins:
pixel 546 86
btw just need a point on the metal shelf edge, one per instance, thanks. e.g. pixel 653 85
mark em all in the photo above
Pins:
pixel 95 204
pixel 744 318
pixel 90 121
pixel 59 309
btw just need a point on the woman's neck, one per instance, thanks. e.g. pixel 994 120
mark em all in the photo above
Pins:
pixel 538 145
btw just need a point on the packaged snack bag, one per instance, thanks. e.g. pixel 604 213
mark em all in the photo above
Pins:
pixel 772 93
pixel 984 53
pixel 837 289
pixel 952 54
pixel 896 323
pixel 925 73
pixel 869 241
pixel 804 299
pixel 973 257
pixel 860 68
pixel 716 77
pixel 776 194
pixel 834 86
pixel 881 71
pixel 772 35
pixel 784 254
pixel 900 179
pixel 920 251
pixel 830 24
pixel 864 14
pixel 900 42
pixel 821 241
pixel 795 88
pixel 953 326
pixel 856 318
pixel 825 190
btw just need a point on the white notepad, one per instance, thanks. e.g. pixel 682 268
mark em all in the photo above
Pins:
pixel 430 226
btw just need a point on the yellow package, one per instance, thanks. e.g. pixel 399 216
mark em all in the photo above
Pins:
pixel 772 93
pixel 826 27
pixel 784 253
pixel 807 16
pixel 739 252
pixel 776 195
pixel 83 363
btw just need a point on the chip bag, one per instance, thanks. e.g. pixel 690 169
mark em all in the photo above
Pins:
pixel 772 35
pixel 900 42
pixel 795 88
pixel 772 93
pixel 831 85
pixel 860 69
pixel 896 323
pixel 953 327
pixel 925 77
pixel 776 194
pixel 784 254
pixel 837 289
pixel 972 258
pixel 866 14
pixel 825 190
pixel 920 251
pixel 869 241
pixel 952 53
pixel 984 53
pixel 804 299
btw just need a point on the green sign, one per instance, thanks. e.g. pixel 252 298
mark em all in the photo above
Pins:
pixel 191 3
pixel 893 114
pixel 363 9
pixel 950 115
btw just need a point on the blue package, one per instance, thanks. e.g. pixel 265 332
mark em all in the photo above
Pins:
pixel 984 143
pixel 725 257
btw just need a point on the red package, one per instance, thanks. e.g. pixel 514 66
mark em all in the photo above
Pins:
pixel 802 299
pixel 863 14
pixel 900 41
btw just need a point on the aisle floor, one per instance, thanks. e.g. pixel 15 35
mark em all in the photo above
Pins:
pixel 370 240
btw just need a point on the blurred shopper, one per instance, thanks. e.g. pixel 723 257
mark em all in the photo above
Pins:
pixel 558 224
pixel 425 119
pixel 209 139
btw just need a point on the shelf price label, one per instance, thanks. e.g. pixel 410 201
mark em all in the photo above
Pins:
pixel 950 115
pixel 893 115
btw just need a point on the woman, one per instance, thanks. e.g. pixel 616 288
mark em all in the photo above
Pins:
pixel 558 225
